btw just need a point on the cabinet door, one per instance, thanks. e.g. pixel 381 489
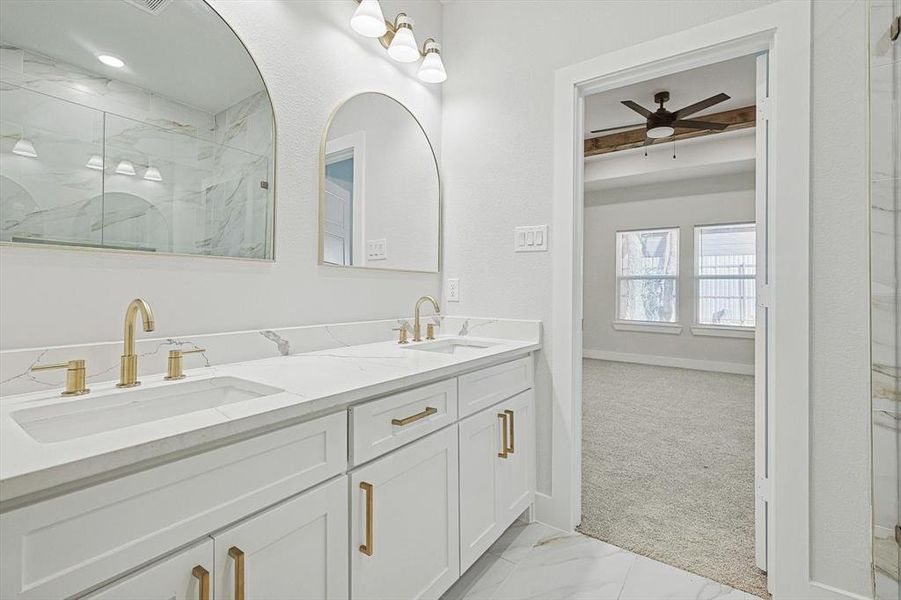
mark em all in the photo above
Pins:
pixel 404 521
pixel 480 501
pixel 294 550
pixel 177 577
pixel 517 472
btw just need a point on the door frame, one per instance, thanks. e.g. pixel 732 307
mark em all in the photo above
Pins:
pixel 354 145
pixel 783 30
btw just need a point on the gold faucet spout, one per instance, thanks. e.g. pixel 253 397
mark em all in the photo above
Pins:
pixel 417 330
pixel 128 364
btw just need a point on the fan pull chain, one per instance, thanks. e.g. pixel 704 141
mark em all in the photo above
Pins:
pixel 674 147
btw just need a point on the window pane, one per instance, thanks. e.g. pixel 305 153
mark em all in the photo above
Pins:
pixel 651 252
pixel 727 302
pixel 727 250
pixel 648 300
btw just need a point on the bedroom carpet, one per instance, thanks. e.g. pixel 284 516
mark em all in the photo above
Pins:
pixel 668 467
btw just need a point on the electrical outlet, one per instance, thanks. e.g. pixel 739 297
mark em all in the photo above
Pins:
pixel 453 290
pixel 377 250
pixel 532 238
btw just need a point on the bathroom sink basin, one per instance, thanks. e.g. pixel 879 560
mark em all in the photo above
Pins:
pixel 451 346
pixel 88 416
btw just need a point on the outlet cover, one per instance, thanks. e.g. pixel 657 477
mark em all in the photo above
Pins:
pixel 453 290
pixel 531 238
pixel 377 249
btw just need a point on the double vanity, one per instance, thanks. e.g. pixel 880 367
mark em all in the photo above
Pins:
pixel 367 471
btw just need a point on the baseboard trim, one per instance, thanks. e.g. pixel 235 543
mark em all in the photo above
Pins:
pixel 671 361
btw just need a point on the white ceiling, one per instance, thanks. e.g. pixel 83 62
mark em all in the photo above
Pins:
pixel 185 52
pixel 736 77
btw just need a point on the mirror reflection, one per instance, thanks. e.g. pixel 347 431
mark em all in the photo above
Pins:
pixel 379 205
pixel 132 125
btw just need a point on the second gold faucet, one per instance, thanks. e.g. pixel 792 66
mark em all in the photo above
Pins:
pixel 128 364
pixel 417 329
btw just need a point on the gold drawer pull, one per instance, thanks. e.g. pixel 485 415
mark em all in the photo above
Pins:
pixel 413 418
pixel 204 577
pixel 503 416
pixel 512 448
pixel 367 547
pixel 238 554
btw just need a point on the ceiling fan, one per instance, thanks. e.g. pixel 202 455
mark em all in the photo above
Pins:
pixel 662 123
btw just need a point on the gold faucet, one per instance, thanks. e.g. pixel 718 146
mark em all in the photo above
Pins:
pixel 75 376
pixel 128 364
pixel 417 333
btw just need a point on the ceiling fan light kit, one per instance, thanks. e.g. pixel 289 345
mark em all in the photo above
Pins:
pixel 662 123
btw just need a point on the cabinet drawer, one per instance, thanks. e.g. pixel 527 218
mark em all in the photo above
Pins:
pixel 486 387
pixel 61 546
pixel 382 425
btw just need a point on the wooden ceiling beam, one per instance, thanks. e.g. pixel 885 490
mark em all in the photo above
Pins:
pixel 738 118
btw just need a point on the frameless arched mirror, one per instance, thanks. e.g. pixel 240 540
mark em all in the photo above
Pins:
pixel 380 192
pixel 133 125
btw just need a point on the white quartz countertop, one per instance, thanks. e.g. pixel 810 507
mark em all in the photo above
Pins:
pixel 313 384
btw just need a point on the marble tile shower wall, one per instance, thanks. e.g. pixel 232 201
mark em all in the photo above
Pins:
pixel 885 223
pixel 210 199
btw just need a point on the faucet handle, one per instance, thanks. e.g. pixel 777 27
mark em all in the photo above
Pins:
pixel 402 336
pixel 75 376
pixel 175 369
pixel 430 331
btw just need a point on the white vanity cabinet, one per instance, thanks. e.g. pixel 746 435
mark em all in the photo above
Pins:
pixel 186 575
pixel 404 521
pixel 497 472
pixel 296 550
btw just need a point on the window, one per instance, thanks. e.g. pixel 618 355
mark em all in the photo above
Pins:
pixel 725 269
pixel 647 275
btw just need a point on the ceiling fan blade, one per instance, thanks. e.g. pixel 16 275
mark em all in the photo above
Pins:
pixel 620 127
pixel 699 124
pixel 699 106
pixel 637 108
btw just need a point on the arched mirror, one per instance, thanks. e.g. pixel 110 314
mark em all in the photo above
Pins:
pixel 380 194
pixel 139 125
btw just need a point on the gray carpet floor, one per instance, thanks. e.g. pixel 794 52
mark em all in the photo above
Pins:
pixel 668 467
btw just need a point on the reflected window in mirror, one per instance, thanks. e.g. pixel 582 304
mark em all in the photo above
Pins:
pixel 380 193
pixel 126 128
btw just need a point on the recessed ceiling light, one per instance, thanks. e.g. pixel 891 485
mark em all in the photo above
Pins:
pixel 95 162
pixel 111 61
pixel 125 167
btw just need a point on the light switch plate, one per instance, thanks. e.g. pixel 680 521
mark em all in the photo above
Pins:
pixel 377 249
pixel 453 290
pixel 531 238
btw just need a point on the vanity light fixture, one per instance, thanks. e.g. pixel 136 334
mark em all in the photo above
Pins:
pixel 95 162
pixel 403 46
pixel 153 174
pixel 368 19
pixel 398 38
pixel 125 167
pixel 111 61
pixel 432 68
pixel 24 147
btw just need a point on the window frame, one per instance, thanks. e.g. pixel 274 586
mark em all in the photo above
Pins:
pixel 635 324
pixel 698 328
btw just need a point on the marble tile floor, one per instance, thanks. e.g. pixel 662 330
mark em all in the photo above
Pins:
pixel 534 561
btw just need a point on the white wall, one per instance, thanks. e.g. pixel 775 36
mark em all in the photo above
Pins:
pixel 681 204
pixel 497 159
pixel 311 60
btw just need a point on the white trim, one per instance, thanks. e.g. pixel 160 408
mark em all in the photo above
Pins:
pixel 670 361
pixel 647 327
pixel 727 332
pixel 784 30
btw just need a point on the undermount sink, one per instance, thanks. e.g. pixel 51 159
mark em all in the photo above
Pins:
pixel 450 346
pixel 88 416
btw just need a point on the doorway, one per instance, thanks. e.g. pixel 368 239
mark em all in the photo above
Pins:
pixel 669 313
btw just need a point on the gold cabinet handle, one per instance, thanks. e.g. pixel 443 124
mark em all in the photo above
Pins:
pixel 238 554
pixel 503 417
pixel 429 410
pixel 203 576
pixel 367 547
pixel 512 448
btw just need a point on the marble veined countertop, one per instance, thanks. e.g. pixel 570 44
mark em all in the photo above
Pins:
pixel 313 384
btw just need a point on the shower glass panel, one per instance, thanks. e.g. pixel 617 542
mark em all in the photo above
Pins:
pixel 885 268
